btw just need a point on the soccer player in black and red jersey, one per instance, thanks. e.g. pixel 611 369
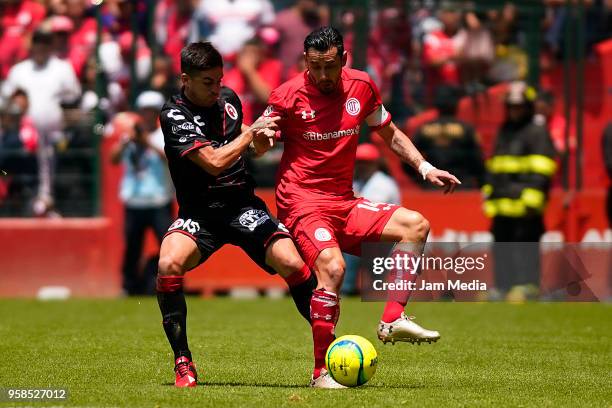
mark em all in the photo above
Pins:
pixel 321 114
pixel 205 143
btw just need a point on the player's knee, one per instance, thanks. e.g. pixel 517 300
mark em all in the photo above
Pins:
pixel 333 270
pixel 287 264
pixel 169 266
pixel 416 227
pixel 292 264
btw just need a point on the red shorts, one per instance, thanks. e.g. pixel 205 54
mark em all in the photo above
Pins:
pixel 345 224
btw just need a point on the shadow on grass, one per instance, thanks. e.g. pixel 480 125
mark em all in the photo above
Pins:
pixel 297 386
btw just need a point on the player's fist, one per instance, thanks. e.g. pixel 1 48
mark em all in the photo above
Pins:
pixel 444 179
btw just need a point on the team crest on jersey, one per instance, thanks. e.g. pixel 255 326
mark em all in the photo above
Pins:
pixel 322 234
pixel 231 111
pixel 268 110
pixel 252 218
pixel 353 107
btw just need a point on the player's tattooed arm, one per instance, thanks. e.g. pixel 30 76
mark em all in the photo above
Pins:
pixel 215 161
pixel 401 145
pixel 407 151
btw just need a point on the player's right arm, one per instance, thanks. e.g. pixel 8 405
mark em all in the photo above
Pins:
pixel 215 161
pixel 184 141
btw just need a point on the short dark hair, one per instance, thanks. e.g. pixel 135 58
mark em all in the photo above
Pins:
pixel 200 56
pixel 324 38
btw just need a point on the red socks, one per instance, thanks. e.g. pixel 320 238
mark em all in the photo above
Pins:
pixel 298 277
pixel 324 313
pixel 169 283
pixel 398 298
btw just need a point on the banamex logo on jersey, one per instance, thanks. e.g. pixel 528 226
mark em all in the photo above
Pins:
pixel 353 107
pixel 231 111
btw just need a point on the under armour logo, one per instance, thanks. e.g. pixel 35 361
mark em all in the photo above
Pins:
pixel 306 114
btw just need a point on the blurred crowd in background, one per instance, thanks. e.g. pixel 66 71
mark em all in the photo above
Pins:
pixel 66 65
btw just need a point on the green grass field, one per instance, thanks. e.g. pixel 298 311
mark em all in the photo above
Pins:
pixel 258 353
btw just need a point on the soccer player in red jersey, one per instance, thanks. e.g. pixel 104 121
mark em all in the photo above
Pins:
pixel 321 114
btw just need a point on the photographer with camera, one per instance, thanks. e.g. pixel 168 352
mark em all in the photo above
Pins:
pixel 145 190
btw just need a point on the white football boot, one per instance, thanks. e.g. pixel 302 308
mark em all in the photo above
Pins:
pixel 324 380
pixel 404 329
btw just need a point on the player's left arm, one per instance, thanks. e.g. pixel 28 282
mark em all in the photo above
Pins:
pixel 405 149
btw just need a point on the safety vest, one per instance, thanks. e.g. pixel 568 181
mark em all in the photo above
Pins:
pixel 519 172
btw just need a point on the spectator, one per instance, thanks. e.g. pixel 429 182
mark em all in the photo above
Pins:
pixel 511 61
pixel 504 25
pixel 145 188
pixel 56 7
pixel 253 78
pixel 388 55
pixel 449 143
pixel 440 50
pixel 518 180
pixel 162 78
pixel 555 122
pixel 172 26
pixel 293 25
pixel 117 16
pixel 82 38
pixel 60 27
pixel 112 98
pixel 116 56
pixel 18 144
pixel 19 19
pixel 46 98
pixel 607 153
pixel 369 182
pixel 228 24
pixel 476 52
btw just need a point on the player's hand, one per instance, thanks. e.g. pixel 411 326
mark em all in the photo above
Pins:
pixel 444 179
pixel 264 122
pixel 263 140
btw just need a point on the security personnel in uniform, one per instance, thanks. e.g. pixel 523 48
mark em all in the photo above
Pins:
pixel 448 143
pixel 518 180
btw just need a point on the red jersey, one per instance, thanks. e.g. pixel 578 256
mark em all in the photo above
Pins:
pixel 320 132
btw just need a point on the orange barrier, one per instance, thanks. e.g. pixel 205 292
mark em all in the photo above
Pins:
pixel 85 254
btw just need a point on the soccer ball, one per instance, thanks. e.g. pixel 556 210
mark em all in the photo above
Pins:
pixel 351 360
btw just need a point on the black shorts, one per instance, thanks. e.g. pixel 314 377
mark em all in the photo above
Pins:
pixel 246 223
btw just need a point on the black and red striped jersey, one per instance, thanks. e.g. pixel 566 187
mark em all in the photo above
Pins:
pixel 188 127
